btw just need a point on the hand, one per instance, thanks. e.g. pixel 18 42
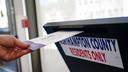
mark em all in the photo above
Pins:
pixel 12 48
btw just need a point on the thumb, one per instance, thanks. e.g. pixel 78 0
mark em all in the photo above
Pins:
pixel 20 44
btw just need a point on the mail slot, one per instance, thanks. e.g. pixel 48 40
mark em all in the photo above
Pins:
pixel 101 47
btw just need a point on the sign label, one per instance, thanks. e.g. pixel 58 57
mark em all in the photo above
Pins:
pixel 100 50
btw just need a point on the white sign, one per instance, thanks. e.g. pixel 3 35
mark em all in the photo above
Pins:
pixel 100 50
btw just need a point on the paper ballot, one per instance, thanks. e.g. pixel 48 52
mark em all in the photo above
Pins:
pixel 40 42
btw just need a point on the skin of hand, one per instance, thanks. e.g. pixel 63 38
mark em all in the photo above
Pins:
pixel 12 48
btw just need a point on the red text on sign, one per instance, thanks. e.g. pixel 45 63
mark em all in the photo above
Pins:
pixel 92 55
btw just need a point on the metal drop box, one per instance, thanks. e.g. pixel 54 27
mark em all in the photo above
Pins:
pixel 101 34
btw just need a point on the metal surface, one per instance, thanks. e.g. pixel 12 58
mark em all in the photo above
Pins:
pixel 31 13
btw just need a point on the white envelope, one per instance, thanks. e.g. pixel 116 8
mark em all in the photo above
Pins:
pixel 40 42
